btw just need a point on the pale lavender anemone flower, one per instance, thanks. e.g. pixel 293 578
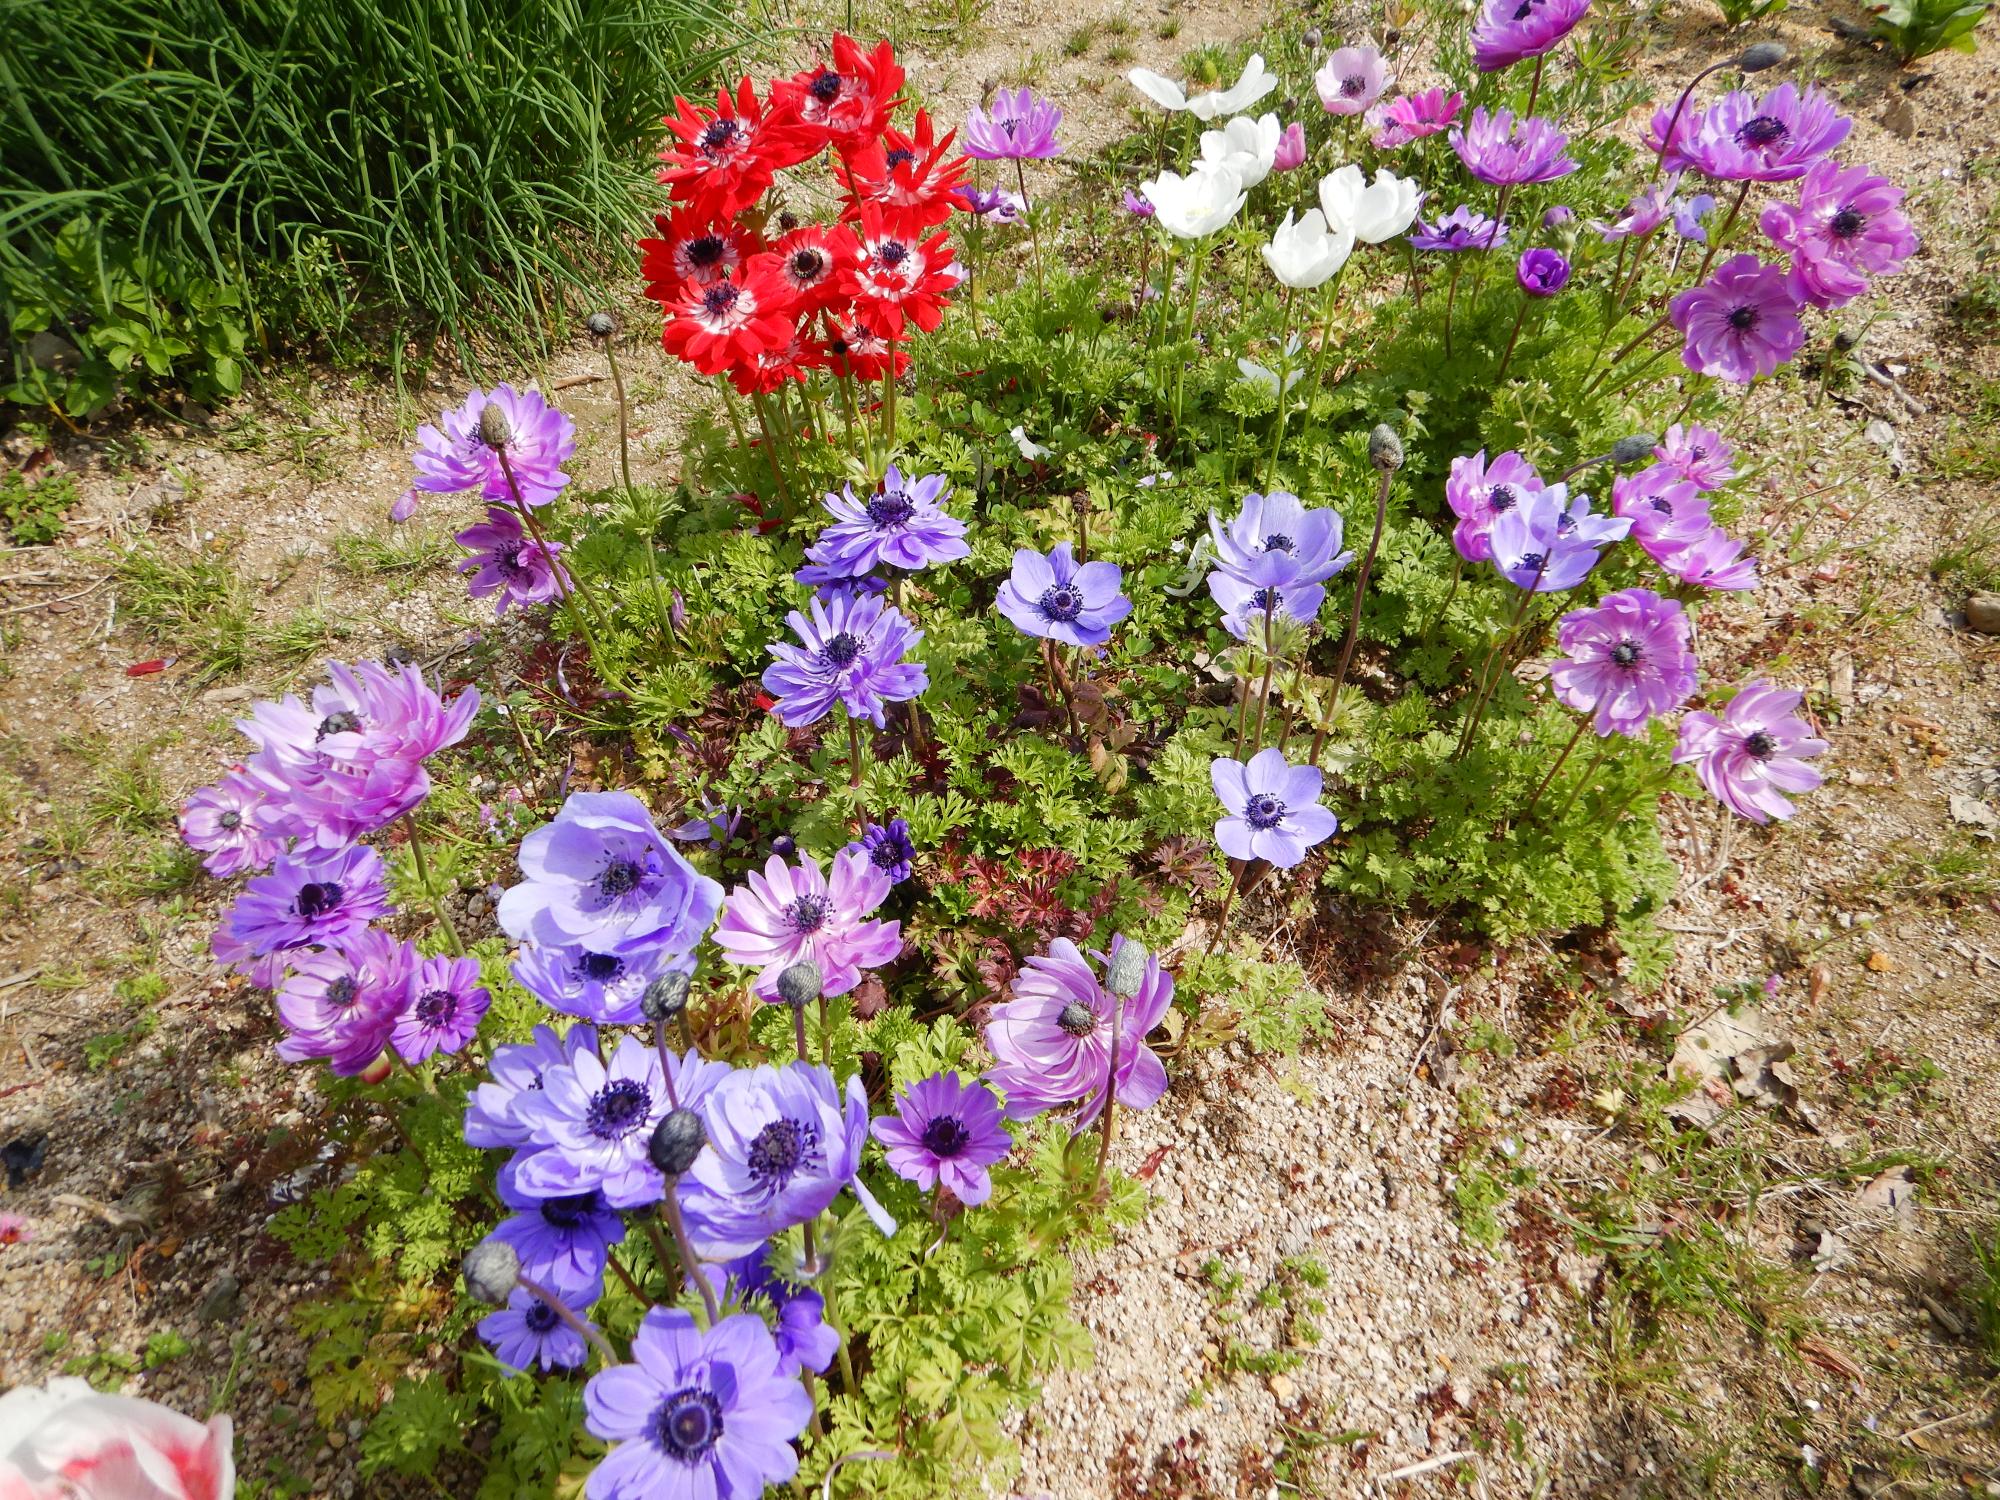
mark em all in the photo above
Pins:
pixel 1846 227
pixel 699 1415
pixel 1497 150
pixel 901 525
pixel 1051 597
pixel 945 1132
pixel 1691 216
pixel 805 1340
pixel 1052 1039
pixel 1272 808
pixel 1741 323
pixel 600 876
pixel 1540 545
pixel 1021 125
pixel 507 561
pixel 1351 80
pixel 1667 513
pixel 1713 560
pixel 445 1005
pixel 456 456
pixel 852 652
pixel 1507 31
pixel 1542 272
pixel 513 1072
pixel 789 913
pixel 1245 605
pixel 1744 138
pixel 1754 753
pixel 315 898
pixel 221 821
pixel 342 1003
pixel 595 984
pixel 782 1145
pixel 1480 493
pixel 1698 454
pixel 1397 122
pixel 529 1334
pixel 1280 522
pixel 1626 660
pixel 1464 228
pixel 562 1241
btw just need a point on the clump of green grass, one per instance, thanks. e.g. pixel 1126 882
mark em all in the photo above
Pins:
pixel 190 600
pixel 400 551
pixel 1983 1292
pixel 1077 43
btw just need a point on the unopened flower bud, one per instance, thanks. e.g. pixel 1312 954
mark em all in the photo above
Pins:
pixel 665 998
pixel 784 846
pixel 1385 449
pixel 1128 969
pixel 494 430
pixel 1761 55
pixel 600 325
pixel 1313 37
pixel 1634 449
pixel 1558 216
pixel 491 1269
pixel 800 984
pixel 677 1141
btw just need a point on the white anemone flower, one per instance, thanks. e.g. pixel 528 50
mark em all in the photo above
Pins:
pixel 1195 206
pixel 1031 450
pixel 1255 83
pixel 1373 211
pixel 1304 255
pixel 1159 88
pixel 1248 147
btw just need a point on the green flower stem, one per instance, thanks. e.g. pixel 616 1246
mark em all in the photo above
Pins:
pixel 1721 235
pixel 1354 616
pixel 1507 357
pixel 436 902
pixel 1034 235
pixel 784 494
pixel 854 770
pixel 1451 299
pixel 1199 250
pixel 624 416
pixel 1483 693
pixel 1270 664
pixel 1109 1121
pixel 1536 796
pixel 1283 363
pixel 1582 781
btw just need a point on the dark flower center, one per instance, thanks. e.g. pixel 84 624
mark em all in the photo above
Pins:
pixel 1077 1019
pixel 620 878
pixel 343 992
pixel 779 1150
pixel 945 1136
pixel 890 853
pixel 719 298
pixel 600 968
pixel 1534 560
pixel 1697 453
pixel 346 721
pixel 1763 131
pixel 1663 505
pixel 705 250
pixel 1061 601
pixel 898 157
pixel 568 1211
pixel 841 650
pixel 1264 811
pixel 1565 523
pixel 231 821
pixel 688 1424
pixel 1266 601
pixel 890 508
pixel 318 898
pixel 1760 746
pixel 1351 87
pixel 1744 318
pixel 892 253
pixel 1277 541
pixel 1625 654
pixel 540 1317
pixel 618 1109
pixel 1502 497
pixel 718 135
pixel 436 1008
pixel 826 87
pixel 1846 224
pixel 808 913
pixel 1525 9
pixel 807 265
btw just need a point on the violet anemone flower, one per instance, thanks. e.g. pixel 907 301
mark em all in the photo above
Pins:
pixel 445 1006
pixel 1351 80
pixel 1741 323
pixel 1020 125
pixel 1397 122
pixel 1280 522
pixel 1754 752
pixel 457 455
pixel 601 986
pixel 562 1241
pixel 1540 544
pixel 700 1414
pixel 1507 31
pixel 806 1341
pixel 507 561
pixel 1697 454
pixel 1667 513
pixel 782 1144
pixel 789 913
pixel 1743 138
pixel 1713 560
pixel 1464 228
pixel 1626 660
pixel 1480 493
pixel 1846 227
pixel 1644 214
pixel 852 652
pixel 1497 150
pixel 1272 808
pixel 1246 605
pixel 945 1132
pixel 342 1003
pixel 887 847
pixel 1051 597
pixel 1542 273
pixel 1052 1039
pixel 529 1334
pixel 1138 206
pixel 310 898
pixel 1691 216
pixel 221 821
pixel 900 524
pixel 513 1072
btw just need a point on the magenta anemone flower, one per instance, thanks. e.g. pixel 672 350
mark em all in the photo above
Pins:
pixel 945 1132
pixel 1291 149
pixel 445 1005
pixel 310 899
pixel 1713 560
pixel 789 913
pixel 1397 122
pixel 699 1415
pixel 342 1003
pixel 1052 1039
pixel 1544 544
pixel 1743 138
pixel 1542 273
pixel 221 821
pixel 1741 323
pixel 514 1072
pixel 1644 214
pixel 529 1334
pixel 1464 228
pixel 1626 660
pixel 1351 80
pixel 901 524
pixel 1480 493
pixel 1667 513
pixel 1137 206
pixel 457 455
pixel 852 652
pixel 1846 227
pixel 1272 808
pixel 1280 522
pixel 1051 597
pixel 507 561
pixel 1020 125
pixel 1506 31
pixel 1698 454
pixel 888 847
pixel 1754 753
pixel 1497 150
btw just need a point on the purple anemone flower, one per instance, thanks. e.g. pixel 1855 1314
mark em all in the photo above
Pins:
pixel 805 1339
pixel 1542 273
pixel 1280 522
pixel 445 1006
pixel 341 1003
pixel 782 1144
pixel 946 1132
pixel 1846 227
pixel 1245 606
pixel 1644 214
pixel 507 561
pixel 1272 808
pixel 1351 80
pixel 1667 513
pixel 1480 493
pixel 1506 31
pixel 1138 206
pixel 789 913
pixel 1020 126
pixel 1464 228
pixel 515 1071
pixel 1497 150
pixel 1743 138
pixel 852 652
pixel 600 876
pixel 457 455
pixel 1713 560
pixel 900 525
pixel 529 1334
pixel 699 1415
pixel 1691 216
pixel 997 205
pixel 1051 1040
pixel 221 821
pixel 1397 122
pixel 1051 597
pixel 1626 660
pixel 1544 545
pixel 1741 323
pixel 887 847
pixel 563 1242
pixel 310 899
pixel 1700 455
pixel 605 987
pixel 1754 753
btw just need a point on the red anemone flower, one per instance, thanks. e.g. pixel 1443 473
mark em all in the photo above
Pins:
pixel 692 247
pixel 849 101
pixel 729 321
pixel 811 260
pixel 773 367
pixel 857 351
pixel 896 278
pixel 723 159
pixel 907 178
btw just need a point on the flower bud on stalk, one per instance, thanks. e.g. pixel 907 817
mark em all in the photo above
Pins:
pixel 600 325
pixel 494 430
pixel 491 1270
pixel 1638 448
pixel 677 1141
pixel 1385 449
pixel 1128 970
pixel 666 998
pixel 798 987
pixel 1761 55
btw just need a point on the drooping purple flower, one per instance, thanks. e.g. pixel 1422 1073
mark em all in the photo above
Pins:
pixel 901 525
pixel 831 583
pixel 887 847
pixel 1052 1039
pixel 1497 150
pixel 789 913
pixel 1754 753
pixel 1272 808
pixel 1138 206
pixel 1846 227
pixel 507 561
pixel 1480 493
pixel 699 1415
pixel 1539 544
pixel 601 877
pixel 1397 122
pixel 782 1144
pixel 601 986
pixel 1713 560
pixel 564 1241
pixel 529 1334
pixel 456 455
pixel 1741 323
pixel 851 651
pixel 310 899
pixel 342 1003
pixel 806 1341
pixel 445 1006
pixel 1506 31
pixel 1020 125
pixel 515 1071
pixel 1351 80
pixel 1051 597
pixel 1626 660
pixel 1697 454
pixel 1691 216
pixel 1245 605
pixel 996 205
pixel 1744 138
pixel 1644 214
pixel 1667 513
pixel 221 821
pixel 946 1132
pixel 1542 273
pixel 1280 522
pixel 1464 228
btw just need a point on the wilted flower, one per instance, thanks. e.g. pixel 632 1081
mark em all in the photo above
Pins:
pixel 1245 148
pixel 1052 1038
pixel 789 913
pixel 1754 753
pixel 1626 660
pixel 1373 211
pixel 1741 323
pixel 1397 122
pixel 1195 206
pixel 1744 138
pixel 1351 80
pixel 1542 273
pixel 1846 227
pixel 460 454
pixel 946 1132
pixel 1507 31
pixel 1019 125
pixel 1305 255
pixel 66 1441
pixel 1271 808
pixel 1646 213
pixel 1053 598
pixel 1497 150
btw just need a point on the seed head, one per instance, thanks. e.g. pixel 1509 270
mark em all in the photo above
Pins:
pixel 1634 449
pixel 491 1270
pixel 800 984
pixel 1128 969
pixel 600 325
pixel 1761 55
pixel 493 429
pixel 677 1141
pixel 1385 449
pixel 665 998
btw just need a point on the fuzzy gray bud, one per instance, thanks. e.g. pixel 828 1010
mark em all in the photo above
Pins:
pixel 1761 55
pixel 1634 449
pixel 665 998
pixel 1313 37
pixel 491 1270
pixel 1128 969
pixel 677 1141
pixel 1385 449
pixel 494 431
pixel 600 325
pixel 800 984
